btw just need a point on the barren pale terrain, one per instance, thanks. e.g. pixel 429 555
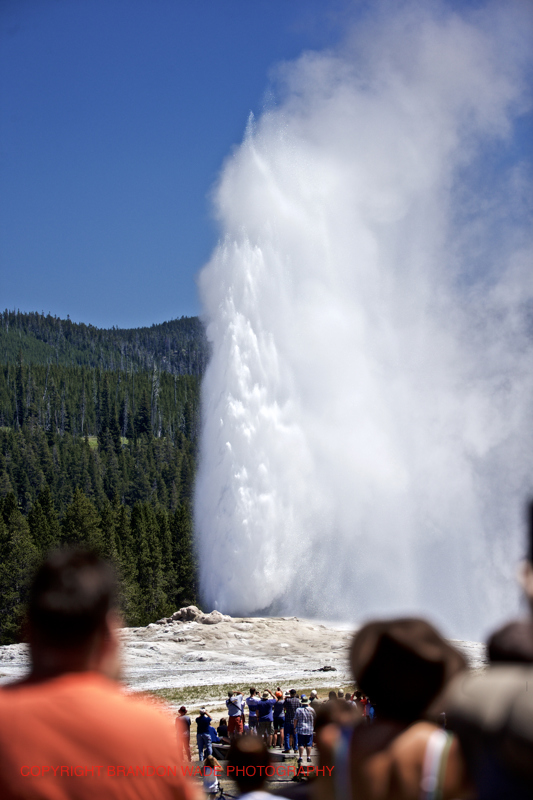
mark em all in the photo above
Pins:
pixel 191 650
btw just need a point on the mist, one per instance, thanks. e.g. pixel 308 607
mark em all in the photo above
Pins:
pixel 366 444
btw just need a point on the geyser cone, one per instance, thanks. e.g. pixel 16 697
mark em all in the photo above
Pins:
pixel 366 441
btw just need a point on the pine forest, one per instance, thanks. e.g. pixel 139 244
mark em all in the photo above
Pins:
pixel 98 438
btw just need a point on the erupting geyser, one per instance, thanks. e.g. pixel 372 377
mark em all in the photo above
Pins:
pixel 367 412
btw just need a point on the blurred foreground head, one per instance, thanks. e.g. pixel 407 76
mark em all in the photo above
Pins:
pixel 512 644
pixel 248 757
pixel 526 574
pixel 72 613
pixel 402 665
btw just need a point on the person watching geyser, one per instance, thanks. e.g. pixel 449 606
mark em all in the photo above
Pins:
pixel 492 712
pixel 402 665
pixel 67 730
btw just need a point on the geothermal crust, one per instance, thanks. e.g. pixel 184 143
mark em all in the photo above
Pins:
pixel 192 648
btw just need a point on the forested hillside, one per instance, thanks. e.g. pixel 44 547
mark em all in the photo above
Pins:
pixel 98 437
pixel 178 347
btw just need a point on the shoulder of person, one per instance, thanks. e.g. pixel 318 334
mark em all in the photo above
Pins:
pixel 406 755
pixel 408 752
pixel 495 707
pixel 411 743
pixel 491 700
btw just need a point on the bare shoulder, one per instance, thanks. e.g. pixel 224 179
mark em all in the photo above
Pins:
pixel 411 744
pixel 408 752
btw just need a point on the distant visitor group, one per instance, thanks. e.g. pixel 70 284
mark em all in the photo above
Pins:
pixel 280 719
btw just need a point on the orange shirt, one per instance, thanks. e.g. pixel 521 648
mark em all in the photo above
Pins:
pixel 78 737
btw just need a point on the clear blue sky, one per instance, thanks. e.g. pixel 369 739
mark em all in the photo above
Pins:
pixel 115 118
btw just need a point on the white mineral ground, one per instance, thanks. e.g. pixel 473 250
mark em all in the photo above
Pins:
pixel 193 649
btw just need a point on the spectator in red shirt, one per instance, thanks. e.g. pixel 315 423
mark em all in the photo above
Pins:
pixel 68 730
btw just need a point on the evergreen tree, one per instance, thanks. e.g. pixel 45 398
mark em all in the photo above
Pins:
pixel 151 576
pixel 143 423
pixel 18 559
pixel 43 523
pixel 185 565
pixel 187 478
pixel 19 414
pixel 110 545
pixel 103 411
pixel 129 587
pixel 114 433
pixel 167 560
pixel 81 524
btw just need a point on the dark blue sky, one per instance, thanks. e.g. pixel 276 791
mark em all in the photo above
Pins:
pixel 115 118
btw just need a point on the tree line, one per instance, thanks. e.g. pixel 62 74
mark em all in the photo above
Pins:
pixel 179 346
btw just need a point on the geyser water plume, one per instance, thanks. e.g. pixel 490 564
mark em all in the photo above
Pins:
pixel 366 440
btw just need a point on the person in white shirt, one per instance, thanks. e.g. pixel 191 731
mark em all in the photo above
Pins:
pixel 235 706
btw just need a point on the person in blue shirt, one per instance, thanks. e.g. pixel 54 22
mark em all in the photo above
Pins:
pixel 203 737
pixel 252 702
pixel 266 716
pixel 214 735
pixel 279 720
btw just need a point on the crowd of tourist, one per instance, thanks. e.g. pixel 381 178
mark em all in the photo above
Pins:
pixel 419 726
pixel 280 719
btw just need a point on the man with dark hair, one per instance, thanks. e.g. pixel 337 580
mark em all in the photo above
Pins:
pixel 67 729
pixel 290 705
pixel 512 643
pixel 252 702
pixel 72 615
pixel 248 760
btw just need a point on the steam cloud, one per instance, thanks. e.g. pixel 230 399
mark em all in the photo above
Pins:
pixel 367 413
